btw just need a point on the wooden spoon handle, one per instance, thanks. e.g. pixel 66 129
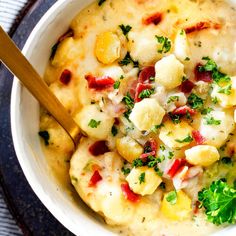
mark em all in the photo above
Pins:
pixel 12 57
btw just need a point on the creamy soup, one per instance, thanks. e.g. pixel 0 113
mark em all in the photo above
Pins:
pixel 152 85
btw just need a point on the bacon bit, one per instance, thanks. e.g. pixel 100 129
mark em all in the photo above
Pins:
pixel 198 27
pixel 146 74
pixel 175 166
pixel 99 83
pixel 151 146
pixel 69 33
pixel 117 121
pixel 196 208
pixel 155 19
pixel 139 89
pixel 145 155
pixel 199 139
pixel 96 177
pixel 128 193
pixel 132 88
pixel 205 76
pixel 184 110
pixel 179 178
pixel 98 148
pixel 187 86
pixel 66 77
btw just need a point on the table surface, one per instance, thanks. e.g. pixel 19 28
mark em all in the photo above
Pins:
pixel 29 213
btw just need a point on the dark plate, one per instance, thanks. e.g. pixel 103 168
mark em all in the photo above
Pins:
pixel 32 217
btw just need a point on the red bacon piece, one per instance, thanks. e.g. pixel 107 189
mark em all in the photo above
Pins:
pixel 96 177
pixel 99 83
pixel 187 86
pixel 65 77
pixel 175 166
pixel 98 148
pixel 146 74
pixel 199 139
pixel 155 19
pixel 129 194
pixel 184 110
pixel 140 88
pixel 205 76
pixel 145 155
pixel 198 27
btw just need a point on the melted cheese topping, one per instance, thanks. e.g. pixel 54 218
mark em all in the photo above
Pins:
pixel 174 36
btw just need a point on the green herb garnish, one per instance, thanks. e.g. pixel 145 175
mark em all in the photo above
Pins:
pixel 100 2
pixel 173 99
pixel 146 93
pixel 172 197
pixel 227 160
pixel 226 90
pixel 116 84
pixel 219 201
pixel 165 43
pixel 142 178
pixel 125 171
pixel 188 139
pixel 209 120
pixel 206 111
pixel 93 123
pixel 125 29
pixel 175 118
pixel 195 102
pixel 45 136
pixel 127 60
pixel 114 131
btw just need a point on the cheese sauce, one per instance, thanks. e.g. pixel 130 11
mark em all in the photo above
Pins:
pixel 133 74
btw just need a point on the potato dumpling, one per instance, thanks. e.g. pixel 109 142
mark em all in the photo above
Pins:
pixel 225 100
pixel 181 46
pixel 143 47
pixel 169 72
pixel 176 135
pixel 107 47
pixel 128 148
pixel 66 51
pixel 146 114
pixel 93 122
pixel 203 155
pixel 143 180
pixel 216 134
pixel 180 210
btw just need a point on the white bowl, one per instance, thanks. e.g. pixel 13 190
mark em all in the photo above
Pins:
pixel 25 125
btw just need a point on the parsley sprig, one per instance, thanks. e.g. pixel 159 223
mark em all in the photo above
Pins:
pixel 219 201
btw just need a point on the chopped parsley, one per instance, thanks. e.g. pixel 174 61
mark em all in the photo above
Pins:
pixel 146 93
pixel 114 131
pixel 195 102
pixel 187 59
pixel 211 66
pixel 175 118
pixel 142 178
pixel 173 99
pixel 100 2
pixel 226 160
pixel 162 147
pixel 116 84
pixel 45 136
pixel 188 139
pixel 182 32
pixel 209 120
pixel 172 197
pixel 171 154
pixel 215 100
pixel 127 60
pixel 125 171
pixel 165 44
pixel 226 90
pixel 206 111
pixel 129 102
pixel 156 127
pixel 93 123
pixel 137 163
pixel 125 29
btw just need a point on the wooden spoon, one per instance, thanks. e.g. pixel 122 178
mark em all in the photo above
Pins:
pixel 12 57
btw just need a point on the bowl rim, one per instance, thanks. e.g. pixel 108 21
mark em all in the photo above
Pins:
pixel 16 87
